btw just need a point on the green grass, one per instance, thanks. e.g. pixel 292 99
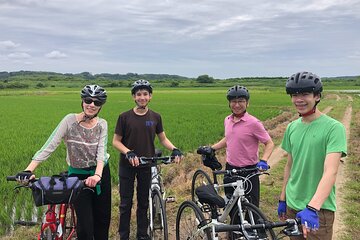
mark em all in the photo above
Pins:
pixel 191 117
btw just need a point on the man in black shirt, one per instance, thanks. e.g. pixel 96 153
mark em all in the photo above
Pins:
pixel 134 137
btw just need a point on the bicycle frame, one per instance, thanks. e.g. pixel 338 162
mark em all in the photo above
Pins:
pixel 54 219
pixel 53 224
pixel 238 198
pixel 156 183
pixel 157 194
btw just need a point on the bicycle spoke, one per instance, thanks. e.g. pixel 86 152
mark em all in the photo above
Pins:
pixel 188 219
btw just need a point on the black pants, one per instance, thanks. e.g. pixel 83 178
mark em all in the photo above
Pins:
pixel 254 195
pixel 94 211
pixel 126 180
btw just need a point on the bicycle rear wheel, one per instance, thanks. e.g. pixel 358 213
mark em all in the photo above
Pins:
pixel 252 215
pixel 200 178
pixel 188 218
pixel 159 228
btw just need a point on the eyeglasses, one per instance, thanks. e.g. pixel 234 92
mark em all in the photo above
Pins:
pixel 238 101
pixel 89 101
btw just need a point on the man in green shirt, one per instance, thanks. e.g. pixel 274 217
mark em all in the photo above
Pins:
pixel 315 143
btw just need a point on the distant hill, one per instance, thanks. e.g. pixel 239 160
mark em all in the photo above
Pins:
pixel 42 79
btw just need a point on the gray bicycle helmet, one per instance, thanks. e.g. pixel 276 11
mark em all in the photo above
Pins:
pixel 141 84
pixel 94 91
pixel 303 82
pixel 237 92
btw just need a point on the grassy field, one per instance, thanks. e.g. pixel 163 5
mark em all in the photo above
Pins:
pixel 191 117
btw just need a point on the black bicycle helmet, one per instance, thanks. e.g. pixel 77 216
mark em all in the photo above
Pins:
pixel 237 92
pixel 141 84
pixel 303 82
pixel 94 91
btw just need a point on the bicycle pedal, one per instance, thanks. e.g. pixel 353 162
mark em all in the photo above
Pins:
pixel 25 223
pixel 170 199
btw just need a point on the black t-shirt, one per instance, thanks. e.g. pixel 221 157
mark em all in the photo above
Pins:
pixel 138 133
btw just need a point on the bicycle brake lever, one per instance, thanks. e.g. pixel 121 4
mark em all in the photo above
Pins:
pixel 19 186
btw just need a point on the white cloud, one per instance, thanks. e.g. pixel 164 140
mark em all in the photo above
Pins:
pixel 224 38
pixel 55 55
pixel 8 45
pixel 19 55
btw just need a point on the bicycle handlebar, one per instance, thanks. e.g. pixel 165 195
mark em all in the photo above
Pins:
pixel 156 160
pixel 14 179
pixel 235 171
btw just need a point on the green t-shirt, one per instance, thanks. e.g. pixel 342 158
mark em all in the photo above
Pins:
pixel 308 144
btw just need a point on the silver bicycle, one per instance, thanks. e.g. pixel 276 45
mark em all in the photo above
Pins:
pixel 246 220
pixel 158 228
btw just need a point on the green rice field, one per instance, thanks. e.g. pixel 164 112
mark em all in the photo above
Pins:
pixel 191 117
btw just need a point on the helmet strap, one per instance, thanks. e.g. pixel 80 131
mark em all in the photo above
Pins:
pixel 87 117
pixel 140 107
pixel 312 111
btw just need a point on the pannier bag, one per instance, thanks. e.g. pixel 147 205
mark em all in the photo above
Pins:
pixel 56 190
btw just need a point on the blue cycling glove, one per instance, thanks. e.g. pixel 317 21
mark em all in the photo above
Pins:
pixel 309 217
pixel 282 209
pixel 262 165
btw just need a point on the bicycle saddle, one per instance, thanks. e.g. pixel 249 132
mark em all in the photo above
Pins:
pixel 207 194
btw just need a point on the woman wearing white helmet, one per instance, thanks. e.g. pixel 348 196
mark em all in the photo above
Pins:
pixel 85 136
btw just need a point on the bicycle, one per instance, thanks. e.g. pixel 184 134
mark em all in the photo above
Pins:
pixel 59 220
pixel 197 227
pixel 208 200
pixel 158 228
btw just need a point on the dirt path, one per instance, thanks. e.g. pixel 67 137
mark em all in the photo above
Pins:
pixel 341 178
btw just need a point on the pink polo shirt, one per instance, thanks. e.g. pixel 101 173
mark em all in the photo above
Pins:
pixel 242 140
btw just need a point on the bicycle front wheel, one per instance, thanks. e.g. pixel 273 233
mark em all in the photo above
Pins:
pixel 200 178
pixel 252 215
pixel 69 224
pixel 188 219
pixel 158 229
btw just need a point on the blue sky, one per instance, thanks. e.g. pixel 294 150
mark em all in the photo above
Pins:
pixel 224 38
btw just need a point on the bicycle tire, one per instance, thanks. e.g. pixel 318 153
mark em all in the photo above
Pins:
pixel 159 229
pixel 70 221
pixel 258 217
pixel 189 216
pixel 199 178
pixel 48 234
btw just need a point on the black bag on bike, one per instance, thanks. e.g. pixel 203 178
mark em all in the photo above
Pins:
pixel 56 190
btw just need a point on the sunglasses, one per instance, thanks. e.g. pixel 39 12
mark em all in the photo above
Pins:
pixel 96 102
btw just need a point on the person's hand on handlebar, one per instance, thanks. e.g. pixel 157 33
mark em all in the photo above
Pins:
pixel 24 176
pixel 309 220
pixel 93 180
pixel 262 165
pixel 177 154
pixel 132 158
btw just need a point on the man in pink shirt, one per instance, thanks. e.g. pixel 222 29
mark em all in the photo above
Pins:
pixel 243 133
